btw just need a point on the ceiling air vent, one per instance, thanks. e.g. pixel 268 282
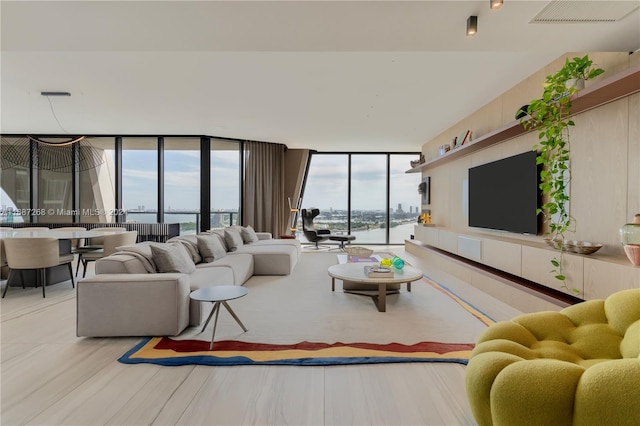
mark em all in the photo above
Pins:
pixel 585 11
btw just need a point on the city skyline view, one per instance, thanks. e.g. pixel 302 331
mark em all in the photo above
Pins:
pixel 327 182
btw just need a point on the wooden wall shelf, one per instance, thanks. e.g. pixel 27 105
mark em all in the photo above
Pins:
pixel 600 93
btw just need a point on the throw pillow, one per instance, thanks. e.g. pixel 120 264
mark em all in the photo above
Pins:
pixel 248 235
pixel 219 233
pixel 191 244
pixel 233 239
pixel 172 258
pixel 210 248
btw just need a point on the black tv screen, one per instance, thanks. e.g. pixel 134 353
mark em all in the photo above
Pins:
pixel 504 194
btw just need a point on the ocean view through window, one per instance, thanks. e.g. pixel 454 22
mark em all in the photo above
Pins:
pixel 332 177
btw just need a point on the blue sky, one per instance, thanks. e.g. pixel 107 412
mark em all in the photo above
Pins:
pixel 182 179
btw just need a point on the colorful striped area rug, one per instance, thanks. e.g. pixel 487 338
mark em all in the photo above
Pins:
pixel 174 352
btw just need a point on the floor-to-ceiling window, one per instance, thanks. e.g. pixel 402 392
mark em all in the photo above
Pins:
pixel 404 199
pixel 327 189
pixel 225 183
pixel 367 195
pixel 369 198
pixel 55 196
pixel 140 179
pixel 55 182
pixel 182 183
pixel 14 191
pixel 97 185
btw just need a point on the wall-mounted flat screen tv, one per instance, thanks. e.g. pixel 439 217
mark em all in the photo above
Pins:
pixel 504 194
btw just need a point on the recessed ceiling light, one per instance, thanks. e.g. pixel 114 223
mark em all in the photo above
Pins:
pixel 495 4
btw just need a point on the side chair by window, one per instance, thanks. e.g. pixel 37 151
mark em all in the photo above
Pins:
pixel 309 229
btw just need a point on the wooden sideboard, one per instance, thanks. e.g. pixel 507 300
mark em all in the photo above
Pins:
pixel 595 276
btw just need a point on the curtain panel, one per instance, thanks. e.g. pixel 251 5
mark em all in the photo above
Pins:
pixel 264 198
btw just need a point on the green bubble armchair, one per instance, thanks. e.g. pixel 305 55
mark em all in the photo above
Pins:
pixel 579 366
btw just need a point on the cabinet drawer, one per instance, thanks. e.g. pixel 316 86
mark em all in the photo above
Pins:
pixel 471 248
pixel 448 241
pixel 536 266
pixel 502 255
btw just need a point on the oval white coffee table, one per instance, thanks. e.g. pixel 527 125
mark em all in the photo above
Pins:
pixel 355 272
pixel 219 295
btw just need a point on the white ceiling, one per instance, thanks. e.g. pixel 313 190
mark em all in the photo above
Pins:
pixel 325 75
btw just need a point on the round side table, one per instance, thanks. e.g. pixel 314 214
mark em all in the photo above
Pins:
pixel 219 295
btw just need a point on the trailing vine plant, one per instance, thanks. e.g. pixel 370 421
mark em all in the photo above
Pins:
pixel 550 116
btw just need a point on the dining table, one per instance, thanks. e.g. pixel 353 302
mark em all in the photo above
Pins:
pixel 64 240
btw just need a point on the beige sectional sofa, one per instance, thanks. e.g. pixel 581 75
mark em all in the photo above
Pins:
pixel 135 294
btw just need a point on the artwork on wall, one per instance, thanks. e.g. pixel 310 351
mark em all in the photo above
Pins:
pixel 426 191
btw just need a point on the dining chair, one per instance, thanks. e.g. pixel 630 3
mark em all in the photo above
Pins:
pixel 110 246
pixel 75 242
pixel 39 253
pixel 3 257
pixel 95 243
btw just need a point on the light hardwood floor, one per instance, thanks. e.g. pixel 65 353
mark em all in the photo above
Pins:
pixel 49 376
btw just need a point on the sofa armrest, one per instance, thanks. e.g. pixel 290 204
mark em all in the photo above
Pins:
pixel 264 235
pixel 132 305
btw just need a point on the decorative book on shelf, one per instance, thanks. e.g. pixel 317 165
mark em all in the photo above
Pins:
pixel 464 138
pixel 378 272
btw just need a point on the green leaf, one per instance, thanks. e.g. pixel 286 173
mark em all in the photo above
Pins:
pixel 555 263
pixel 560 277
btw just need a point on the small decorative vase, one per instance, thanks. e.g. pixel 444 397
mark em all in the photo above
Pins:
pixel 386 262
pixel 633 253
pixel 397 263
pixel 630 237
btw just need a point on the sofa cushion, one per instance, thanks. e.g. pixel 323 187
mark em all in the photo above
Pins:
pixel 210 248
pixel 248 235
pixel 233 239
pixel 240 264
pixel 218 233
pixel 270 260
pixel 280 242
pixel 190 242
pixel 172 258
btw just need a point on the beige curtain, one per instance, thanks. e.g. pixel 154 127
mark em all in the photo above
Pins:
pixel 264 198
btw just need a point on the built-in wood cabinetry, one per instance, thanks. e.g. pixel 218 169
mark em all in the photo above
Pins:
pixel 605 185
pixel 593 276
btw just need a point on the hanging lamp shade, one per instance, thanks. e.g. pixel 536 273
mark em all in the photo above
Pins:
pixel 56 154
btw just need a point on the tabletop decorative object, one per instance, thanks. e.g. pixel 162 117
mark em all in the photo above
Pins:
pixel 630 237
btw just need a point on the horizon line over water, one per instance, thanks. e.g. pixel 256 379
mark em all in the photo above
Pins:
pixel 397 234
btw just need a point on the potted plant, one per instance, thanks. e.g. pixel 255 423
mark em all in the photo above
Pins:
pixel 551 117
